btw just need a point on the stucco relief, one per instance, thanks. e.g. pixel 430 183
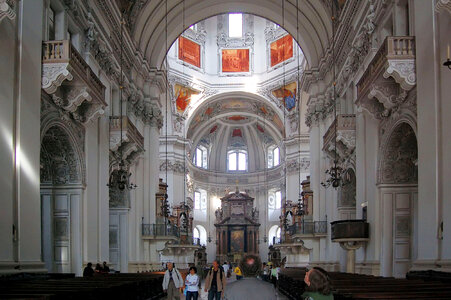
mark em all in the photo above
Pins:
pixel 7 9
pixel 399 157
pixel 403 71
pixel 59 161
pixel 53 76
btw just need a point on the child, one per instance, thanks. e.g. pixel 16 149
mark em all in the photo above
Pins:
pixel 192 284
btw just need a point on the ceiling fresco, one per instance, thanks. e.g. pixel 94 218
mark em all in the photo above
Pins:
pixel 287 95
pixel 221 107
pixel 183 97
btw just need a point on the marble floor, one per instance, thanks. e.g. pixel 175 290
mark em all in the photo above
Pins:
pixel 204 296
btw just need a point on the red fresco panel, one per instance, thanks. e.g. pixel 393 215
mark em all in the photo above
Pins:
pixel 281 50
pixel 235 60
pixel 189 51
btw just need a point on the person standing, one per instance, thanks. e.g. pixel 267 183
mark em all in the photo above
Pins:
pixel 172 282
pixel 215 282
pixel 225 268
pixel 192 284
pixel 238 273
pixel 274 275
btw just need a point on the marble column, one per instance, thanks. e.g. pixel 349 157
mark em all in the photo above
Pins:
pixel 20 215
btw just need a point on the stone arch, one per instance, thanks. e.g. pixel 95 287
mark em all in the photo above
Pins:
pixel 62 176
pixel 58 133
pixel 150 31
pixel 398 192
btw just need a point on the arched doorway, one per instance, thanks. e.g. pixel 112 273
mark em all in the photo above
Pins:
pixel 398 188
pixel 61 201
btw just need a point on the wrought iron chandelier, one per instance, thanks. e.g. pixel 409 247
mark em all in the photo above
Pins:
pixel 120 178
pixel 334 174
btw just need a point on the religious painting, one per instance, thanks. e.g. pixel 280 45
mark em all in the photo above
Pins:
pixel 281 50
pixel 189 51
pixel 183 97
pixel 235 60
pixel 287 95
pixel 261 129
pixel 237 241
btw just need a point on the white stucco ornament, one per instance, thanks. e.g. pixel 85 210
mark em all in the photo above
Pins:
pixel 403 71
pixel 53 75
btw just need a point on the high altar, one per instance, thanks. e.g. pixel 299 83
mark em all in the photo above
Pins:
pixel 236 227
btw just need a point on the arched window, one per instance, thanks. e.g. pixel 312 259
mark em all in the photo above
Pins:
pixel 236 25
pixel 274 199
pixel 237 160
pixel 201 157
pixel 200 199
pixel 273 156
pixel 196 233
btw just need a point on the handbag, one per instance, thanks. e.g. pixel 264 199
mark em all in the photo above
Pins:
pixel 184 291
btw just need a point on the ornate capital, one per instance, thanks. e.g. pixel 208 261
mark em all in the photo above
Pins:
pixel 152 115
pixel 443 5
pixel 7 9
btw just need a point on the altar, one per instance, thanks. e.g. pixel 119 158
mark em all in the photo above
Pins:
pixel 236 227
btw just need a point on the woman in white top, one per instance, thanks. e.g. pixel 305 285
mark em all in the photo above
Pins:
pixel 192 284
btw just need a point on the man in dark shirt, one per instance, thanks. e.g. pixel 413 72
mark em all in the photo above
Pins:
pixel 215 282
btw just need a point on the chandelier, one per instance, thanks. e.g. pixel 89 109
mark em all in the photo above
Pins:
pixel 334 174
pixel 119 179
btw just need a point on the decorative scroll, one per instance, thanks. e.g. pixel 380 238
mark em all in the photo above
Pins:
pixel 235 60
pixel 189 51
pixel 281 50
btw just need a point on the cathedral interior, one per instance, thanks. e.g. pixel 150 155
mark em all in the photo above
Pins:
pixel 308 132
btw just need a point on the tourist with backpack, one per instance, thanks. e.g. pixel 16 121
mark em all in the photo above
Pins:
pixel 215 282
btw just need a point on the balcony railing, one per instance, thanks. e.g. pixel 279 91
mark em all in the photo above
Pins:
pixel 64 52
pixel 160 230
pixel 394 47
pixel 343 122
pixel 308 227
pixel 128 128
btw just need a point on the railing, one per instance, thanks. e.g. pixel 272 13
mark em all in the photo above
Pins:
pixel 127 125
pixel 160 230
pixel 344 122
pixel 394 47
pixel 308 227
pixel 64 52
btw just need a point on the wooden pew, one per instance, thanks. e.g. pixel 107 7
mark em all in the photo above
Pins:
pixel 112 286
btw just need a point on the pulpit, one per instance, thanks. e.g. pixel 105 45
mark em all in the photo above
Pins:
pixel 236 227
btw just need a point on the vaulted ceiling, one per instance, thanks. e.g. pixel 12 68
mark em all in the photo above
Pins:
pixel 155 25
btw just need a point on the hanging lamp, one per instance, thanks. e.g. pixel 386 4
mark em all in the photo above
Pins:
pixel 335 172
pixel 119 179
